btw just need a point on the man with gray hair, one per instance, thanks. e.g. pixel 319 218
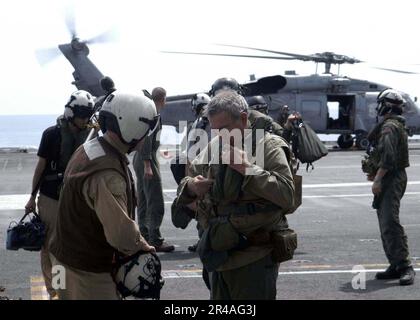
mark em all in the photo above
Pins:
pixel 242 214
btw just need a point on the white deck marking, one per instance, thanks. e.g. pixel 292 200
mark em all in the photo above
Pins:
pixel 183 274
pixel 18 201
pixel 5 164
pixel 352 195
pixel 349 184
pixel 38 290
pixel 327 185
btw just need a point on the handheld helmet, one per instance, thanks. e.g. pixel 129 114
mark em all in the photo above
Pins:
pixel 199 101
pixel 80 105
pixel 390 101
pixel 225 84
pixel 258 103
pixel 130 116
pixel 139 276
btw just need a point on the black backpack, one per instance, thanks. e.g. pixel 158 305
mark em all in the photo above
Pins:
pixel 307 146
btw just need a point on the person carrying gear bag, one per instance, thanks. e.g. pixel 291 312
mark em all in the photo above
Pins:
pixel 57 145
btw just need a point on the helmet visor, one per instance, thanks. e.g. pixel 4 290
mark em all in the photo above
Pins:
pixel 153 127
pixel 153 124
pixel 82 112
pixel 259 106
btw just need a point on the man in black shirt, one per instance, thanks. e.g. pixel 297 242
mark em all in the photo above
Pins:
pixel 57 145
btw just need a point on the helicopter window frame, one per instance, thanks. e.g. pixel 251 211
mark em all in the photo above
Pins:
pixel 345 110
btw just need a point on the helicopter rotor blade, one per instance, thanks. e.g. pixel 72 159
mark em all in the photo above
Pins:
pixel 70 20
pixel 323 57
pixel 45 56
pixel 396 70
pixel 230 55
pixel 107 36
pixel 295 55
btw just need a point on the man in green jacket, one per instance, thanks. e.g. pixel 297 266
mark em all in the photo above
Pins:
pixel 386 168
pixel 239 204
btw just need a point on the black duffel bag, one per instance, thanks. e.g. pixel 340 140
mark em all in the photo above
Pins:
pixel 29 235
pixel 307 147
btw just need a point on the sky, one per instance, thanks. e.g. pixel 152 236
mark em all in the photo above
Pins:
pixel 383 33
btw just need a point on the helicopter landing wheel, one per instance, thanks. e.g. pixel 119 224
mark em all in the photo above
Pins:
pixel 345 141
pixel 362 141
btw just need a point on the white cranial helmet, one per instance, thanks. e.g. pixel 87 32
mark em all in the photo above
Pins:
pixel 199 101
pixel 131 116
pixel 80 105
pixel 139 276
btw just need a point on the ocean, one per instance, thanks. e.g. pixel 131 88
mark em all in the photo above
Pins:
pixel 25 131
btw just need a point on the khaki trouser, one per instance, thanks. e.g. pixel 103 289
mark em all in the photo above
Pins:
pixel 74 284
pixel 48 211
pixel 255 281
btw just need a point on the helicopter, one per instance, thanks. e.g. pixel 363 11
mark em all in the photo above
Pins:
pixel 314 96
pixel 86 75
pixel 329 103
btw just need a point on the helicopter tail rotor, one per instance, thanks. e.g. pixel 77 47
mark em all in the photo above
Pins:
pixel 70 20
pixel 45 56
pixel 105 37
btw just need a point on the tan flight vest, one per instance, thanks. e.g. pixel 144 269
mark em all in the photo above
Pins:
pixel 80 240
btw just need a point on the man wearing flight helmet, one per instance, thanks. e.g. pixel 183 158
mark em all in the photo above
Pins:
pixel 57 145
pixel 198 103
pixel 258 112
pixel 225 84
pixel 258 103
pixel 385 166
pixel 97 203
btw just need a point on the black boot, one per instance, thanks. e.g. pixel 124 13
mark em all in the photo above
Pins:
pixel 390 273
pixel 407 276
